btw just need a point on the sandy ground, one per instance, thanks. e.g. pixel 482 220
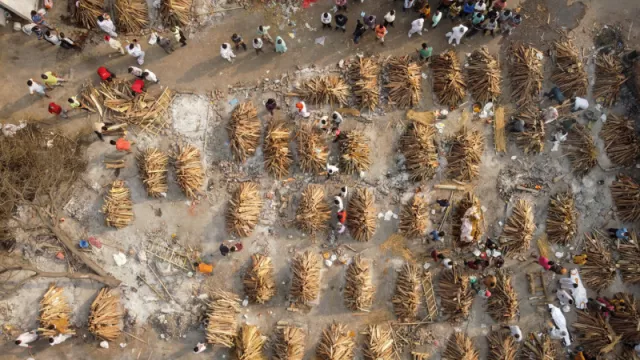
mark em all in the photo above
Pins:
pixel 170 329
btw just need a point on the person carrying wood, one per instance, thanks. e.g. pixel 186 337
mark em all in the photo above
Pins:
pixel 75 104
pixel 26 338
pixel 99 128
pixel 150 76
pixel 114 44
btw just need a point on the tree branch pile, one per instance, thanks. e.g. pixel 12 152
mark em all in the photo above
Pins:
pixel 153 166
pixel 224 308
pixel 54 313
pixel 87 12
pixel 448 82
pixel 404 83
pixel 132 16
pixel 502 346
pixel 277 156
pixel 289 344
pixel 540 348
pixel 250 343
pixel 362 217
pixel 106 315
pixel 420 151
pixel 305 284
pixel 364 73
pixel 532 139
pixel 483 75
pixel 379 343
pixel 562 219
pixel 414 218
pixel 337 343
pixel 625 320
pixel 569 73
pixel 526 74
pixel 465 155
pixel 176 12
pixel 189 170
pixel 467 211
pixel 406 299
pixel 329 89
pixel 581 150
pixel 455 296
pixel 503 303
pixel 313 213
pixel 312 149
pixel 609 79
pixel 518 231
pixel 118 207
pixel 595 333
pixel 460 347
pixel 358 289
pixel 621 141
pixel 244 210
pixel 355 153
pixel 244 131
pixel 600 270
pixel 626 196
pixel 629 262
pixel 259 282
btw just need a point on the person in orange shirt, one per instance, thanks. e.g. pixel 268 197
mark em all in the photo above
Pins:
pixel 426 11
pixel 203 268
pixel 121 144
pixel 381 31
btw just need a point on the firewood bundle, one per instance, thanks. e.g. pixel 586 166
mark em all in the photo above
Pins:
pixel 259 282
pixel 455 296
pixel 460 347
pixel 312 149
pixel 600 270
pixel 420 151
pixel 132 16
pixel 562 219
pixel 54 313
pixel 483 76
pixel 526 74
pixel 364 73
pixel 532 139
pixel 569 74
pixel 118 207
pixel 499 135
pixel 337 343
pixel 629 262
pixel 379 343
pixel 313 212
pixel 153 166
pixel 244 131
pixel 469 208
pixel 621 142
pixel 414 218
pixel 106 315
pixel 502 346
pixel 628 353
pixel 244 210
pixel 289 344
pixel 465 155
pixel 250 343
pixel 277 156
pixel 87 13
pixel 358 289
pixel 518 231
pixel 581 150
pixel 175 12
pixel 625 320
pixel 223 309
pixel 609 79
pixel 626 196
pixel 305 284
pixel 355 153
pixel 362 214
pixel 406 299
pixel 404 85
pixel 189 170
pixel 595 334
pixel 448 82
pixel 330 89
pixel 540 348
pixel 503 303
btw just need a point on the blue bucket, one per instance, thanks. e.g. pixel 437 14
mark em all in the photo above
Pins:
pixel 84 244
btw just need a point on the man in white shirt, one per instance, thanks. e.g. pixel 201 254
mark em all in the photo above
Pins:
pixel 200 347
pixel 134 49
pixel 150 76
pixel 35 87
pixel 257 45
pixel 389 18
pixel 26 338
pixel 115 44
pixel 59 339
pixel 52 38
pixel 226 52
pixel 135 71
pixel 516 332
pixel 416 26
pixel 325 18
pixel 457 33
pixel 106 25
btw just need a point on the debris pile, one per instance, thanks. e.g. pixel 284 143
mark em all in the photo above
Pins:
pixel 502 346
pixel 533 137
pixel 175 12
pixel 330 89
pixel 626 196
pixel 250 343
pixel 379 343
pixel 540 347
pixel 460 347
pixel 595 334
pixel 189 170
pixel 305 284
pixel 625 320
pixel 244 131
pixel 277 156
pixel 526 74
pixel 621 141
pixel 312 149
pixel 259 282
pixel 467 222
pixel 106 315
pixel 503 303
pixel 629 260
pixel 244 209
pixel 313 212
pixel 87 13
pixel 448 82
pixel 289 344
pixel 581 150
pixel 406 299
pixel 364 73
pixel 337 343
pixel 609 79
pixel 420 151
pixel 569 73
pixel 224 307
pixel 483 75
pixel 404 84
pixel 518 231
pixel 118 207
pixel 358 289
pixel 465 155
pixel 414 218
pixel 600 270
pixel 132 16
pixel 362 216
pixel 562 219
pixel 355 153
pixel 153 165
pixel 54 313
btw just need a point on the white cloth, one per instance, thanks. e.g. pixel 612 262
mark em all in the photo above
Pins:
pixel 27 338
pixel 341 228
pixel 580 293
pixel 59 339
pixel 580 104
pixel 336 118
pixel 515 330
pixel 115 45
pixel 28 29
pixel 227 53
pixel 447 263
pixel 567 283
pixel 200 348
pixel 325 19
pixel 36 88
pixel 559 321
pixel 337 201
pixel 550 114
pixel 135 71
pixel 9 130
pixel 390 18
pixel 150 76
pixel 107 26
pixel 257 43
pixel 457 33
pixel 416 26
pixel 564 297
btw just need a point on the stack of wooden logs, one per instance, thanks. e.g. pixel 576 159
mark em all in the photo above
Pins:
pixel 118 207
pixel 312 149
pixel 305 284
pixel 626 196
pixel 132 16
pixel 532 139
pixel 289 344
pixel 414 218
pixel 483 76
pixel 460 347
pixel 223 308
pixel 87 13
pixel 595 334
pixel 620 140
pixel 105 319
pixel 55 313
pixel 502 346
pixel 364 73
pixel 609 79
pixel 518 231
pixel 503 303
pixel 404 85
pixel 189 170
pixel 465 155
pixel 259 281
pixel 526 74
pixel 540 347
pixel 600 270
pixel 406 299
pixel 569 74
pixel 243 212
pixel 175 12
pixel 355 153
pixel 379 344
pixel 581 150
pixel 337 343
pixel 562 219
pixel 153 166
pixel 629 260
pixel 455 296
pixel 420 151
pixel 244 131
pixel 358 289
pixel 329 89
pixel 277 156
pixel 313 212
pixel 625 320
pixel 362 218
pixel 143 110
pixel 250 343
pixel 448 82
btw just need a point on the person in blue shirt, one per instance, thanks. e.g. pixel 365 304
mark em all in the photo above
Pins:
pixel 437 235
pixel 620 234
pixel 467 9
pixel 38 19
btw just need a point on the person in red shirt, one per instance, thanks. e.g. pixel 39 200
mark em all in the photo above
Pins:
pixel 121 144
pixel 105 74
pixel 342 216
pixel 138 86
pixel 57 110
pixel 499 5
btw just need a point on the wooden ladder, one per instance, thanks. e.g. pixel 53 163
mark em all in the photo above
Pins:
pixel 429 296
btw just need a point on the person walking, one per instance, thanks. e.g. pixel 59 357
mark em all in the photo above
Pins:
pixel 271 105
pixel 200 347
pixel 408 4
pixel 26 338
pixel 166 44
pixel 50 79
pixel 511 24
pixel 263 32
pixel 370 22
pixel 467 9
pixel 257 45
pixel 325 18
pixel 456 34
pixel 134 49
pixel 381 31
pixel 389 18
pixel 416 26
pixel 435 19
pixel 341 4
pixel 135 71
pixel 75 104
pixel 426 11
pixel 57 110
pixel 178 34
pixel 359 31
pixel 38 19
pixel 150 76
pixel 37 88
pixel 226 52
pixel 341 22
pixel 281 46
pixel 237 41
pixel 106 25
pixel 114 44
pixel 302 109
pixel 52 38
pixel 105 74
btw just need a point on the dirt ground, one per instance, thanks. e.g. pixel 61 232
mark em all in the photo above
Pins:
pixel 160 329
